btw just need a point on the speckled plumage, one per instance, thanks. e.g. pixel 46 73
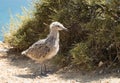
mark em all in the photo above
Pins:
pixel 47 48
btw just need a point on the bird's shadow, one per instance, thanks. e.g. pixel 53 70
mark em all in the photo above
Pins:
pixel 36 74
pixel 32 76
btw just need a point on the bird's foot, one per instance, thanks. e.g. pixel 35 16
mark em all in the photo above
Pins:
pixel 43 74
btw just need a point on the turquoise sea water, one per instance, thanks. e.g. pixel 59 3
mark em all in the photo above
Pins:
pixel 1 38
pixel 8 7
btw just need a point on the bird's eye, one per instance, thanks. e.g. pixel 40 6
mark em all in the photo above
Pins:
pixel 58 26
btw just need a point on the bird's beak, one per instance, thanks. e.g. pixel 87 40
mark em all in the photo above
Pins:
pixel 65 29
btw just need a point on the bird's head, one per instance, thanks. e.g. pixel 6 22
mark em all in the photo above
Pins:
pixel 57 26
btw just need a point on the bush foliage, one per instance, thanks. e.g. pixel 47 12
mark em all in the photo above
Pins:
pixel 94 29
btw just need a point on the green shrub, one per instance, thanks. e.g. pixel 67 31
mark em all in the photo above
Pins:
pixel 93 28
pixel 80 56
pixel 60 61
pixel 67 12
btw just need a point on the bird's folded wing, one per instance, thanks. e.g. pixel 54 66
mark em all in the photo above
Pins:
pixel 38 50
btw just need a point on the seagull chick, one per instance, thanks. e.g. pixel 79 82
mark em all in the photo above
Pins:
pixel 47 48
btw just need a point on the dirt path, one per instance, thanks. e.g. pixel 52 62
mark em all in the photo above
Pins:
pixel 24 70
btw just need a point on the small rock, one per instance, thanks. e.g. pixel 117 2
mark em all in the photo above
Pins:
pixel 100 64
pixel 101 71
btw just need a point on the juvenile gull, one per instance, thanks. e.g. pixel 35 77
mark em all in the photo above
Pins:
pixel 47 48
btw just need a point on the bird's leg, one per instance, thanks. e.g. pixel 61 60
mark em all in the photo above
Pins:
pixel 41 69
pixel 45 68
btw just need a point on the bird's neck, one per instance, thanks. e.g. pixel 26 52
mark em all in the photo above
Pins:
pixel 53 38
pixel 54 33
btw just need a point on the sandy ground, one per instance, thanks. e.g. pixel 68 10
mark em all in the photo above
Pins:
pixel 23 70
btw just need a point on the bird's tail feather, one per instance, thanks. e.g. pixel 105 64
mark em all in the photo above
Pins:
pixel 23 53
